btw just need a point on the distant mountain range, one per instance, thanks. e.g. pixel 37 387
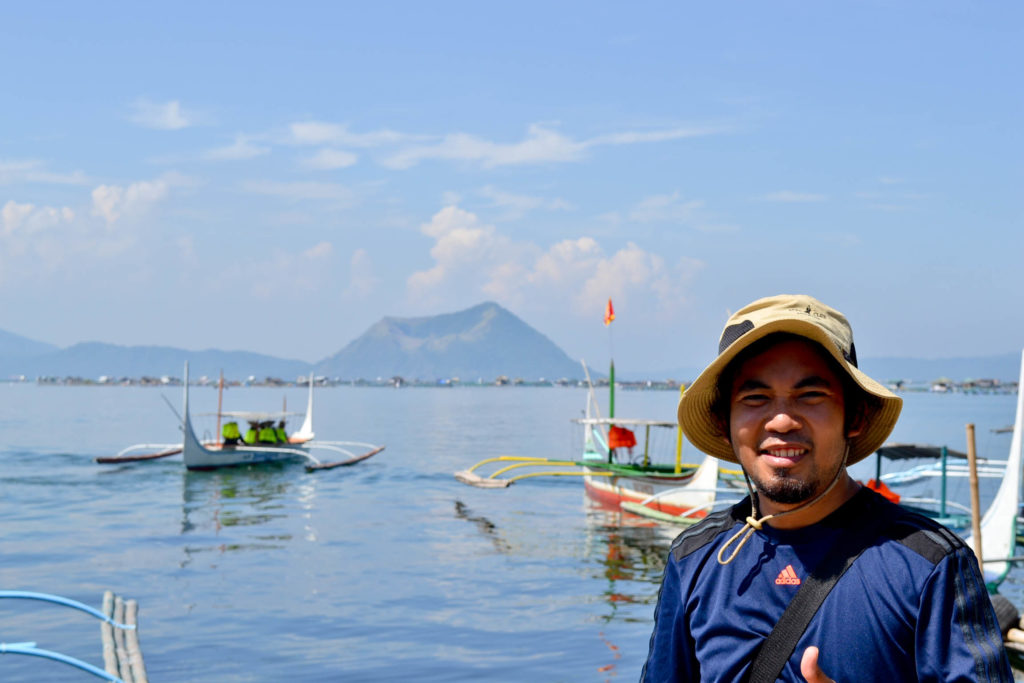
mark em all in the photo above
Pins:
pixel 480 343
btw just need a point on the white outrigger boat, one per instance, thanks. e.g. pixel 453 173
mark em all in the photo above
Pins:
pixel 611 477
pixel 999 523
pixel 214 453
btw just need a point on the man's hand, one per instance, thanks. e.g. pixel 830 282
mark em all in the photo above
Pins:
pixel 810 669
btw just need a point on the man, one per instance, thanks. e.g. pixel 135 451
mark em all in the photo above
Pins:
pixel 786 401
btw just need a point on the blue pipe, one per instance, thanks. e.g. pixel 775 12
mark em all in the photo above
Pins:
pixel 46 597
pixel 31 649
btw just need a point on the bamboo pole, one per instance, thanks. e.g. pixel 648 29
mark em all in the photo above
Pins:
pixel 679 438
pixel 135 663
pixel 220 401
pixel 611 390
pixel 107 635
pixel 121 643
pixel 972 463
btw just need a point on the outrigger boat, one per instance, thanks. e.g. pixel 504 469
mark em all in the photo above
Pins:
pixel 214 453
pixel 611 476
pixel 1000 520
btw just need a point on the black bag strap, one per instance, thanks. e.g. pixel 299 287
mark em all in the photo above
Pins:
pixel 777 648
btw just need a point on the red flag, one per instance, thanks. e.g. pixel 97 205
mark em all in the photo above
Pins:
pixel 609 313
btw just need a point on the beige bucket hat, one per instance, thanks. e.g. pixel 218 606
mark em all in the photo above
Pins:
pixel 797 314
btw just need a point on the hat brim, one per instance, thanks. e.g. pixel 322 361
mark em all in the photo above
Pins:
pixel 694 411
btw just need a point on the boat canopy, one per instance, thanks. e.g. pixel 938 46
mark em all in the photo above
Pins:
pixel 253 417
pixel 909 451
pixel 623 421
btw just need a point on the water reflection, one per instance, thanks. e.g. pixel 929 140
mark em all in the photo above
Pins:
pixel 485 526
pixel 245 508
pixel 628 553
pixel 623 555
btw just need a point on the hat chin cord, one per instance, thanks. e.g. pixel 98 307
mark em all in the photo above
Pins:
pixel 752 523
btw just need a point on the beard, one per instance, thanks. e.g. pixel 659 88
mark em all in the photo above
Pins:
pixel 784 489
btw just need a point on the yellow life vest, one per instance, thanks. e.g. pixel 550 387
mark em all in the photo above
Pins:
pixel 231 432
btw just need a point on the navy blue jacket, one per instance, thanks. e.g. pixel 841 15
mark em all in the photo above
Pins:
pixel 913 607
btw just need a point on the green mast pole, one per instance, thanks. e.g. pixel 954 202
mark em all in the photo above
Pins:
pixel 611 391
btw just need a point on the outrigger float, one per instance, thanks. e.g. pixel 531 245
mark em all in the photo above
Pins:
pixel 214 453
pixel 122 656
pixel 613 478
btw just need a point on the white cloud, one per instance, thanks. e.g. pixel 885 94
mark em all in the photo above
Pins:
pixel 664 208
pixel 27 218
pixel 161 115
pixel 635 137
pixel 574 274
pixel 462 243
pixel 788 196
pixel 33 171
pixel 518 205
pixel 114 201
pixel 565 262
pixel 241 149
pixel 540 145
pixel 362 280
pixel 329 159
pixel 321 133
pixel 38 241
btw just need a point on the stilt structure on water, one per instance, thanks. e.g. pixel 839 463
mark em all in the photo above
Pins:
pixel 122 656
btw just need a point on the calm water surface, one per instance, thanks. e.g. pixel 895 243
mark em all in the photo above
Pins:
pixel 388 570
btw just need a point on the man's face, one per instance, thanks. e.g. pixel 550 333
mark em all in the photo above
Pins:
pixel 786 421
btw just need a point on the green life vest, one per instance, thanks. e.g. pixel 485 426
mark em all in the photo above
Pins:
pixel 231 432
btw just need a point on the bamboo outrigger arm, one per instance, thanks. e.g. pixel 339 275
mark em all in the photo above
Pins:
pixel 494 481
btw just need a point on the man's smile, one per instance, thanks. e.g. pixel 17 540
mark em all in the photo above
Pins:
pixel 783 455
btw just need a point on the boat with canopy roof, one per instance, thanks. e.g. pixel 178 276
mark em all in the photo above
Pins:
pixel 216 452
pixel 617 472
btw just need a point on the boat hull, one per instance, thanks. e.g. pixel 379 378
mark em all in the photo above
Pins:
pixel 199 457
pixel 669 495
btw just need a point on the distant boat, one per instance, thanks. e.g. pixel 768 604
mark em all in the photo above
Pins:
pixel 212 454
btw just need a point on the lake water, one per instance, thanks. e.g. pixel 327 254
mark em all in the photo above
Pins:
pixel 388 570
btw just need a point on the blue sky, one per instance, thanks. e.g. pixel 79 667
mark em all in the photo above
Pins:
pixel 277 177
